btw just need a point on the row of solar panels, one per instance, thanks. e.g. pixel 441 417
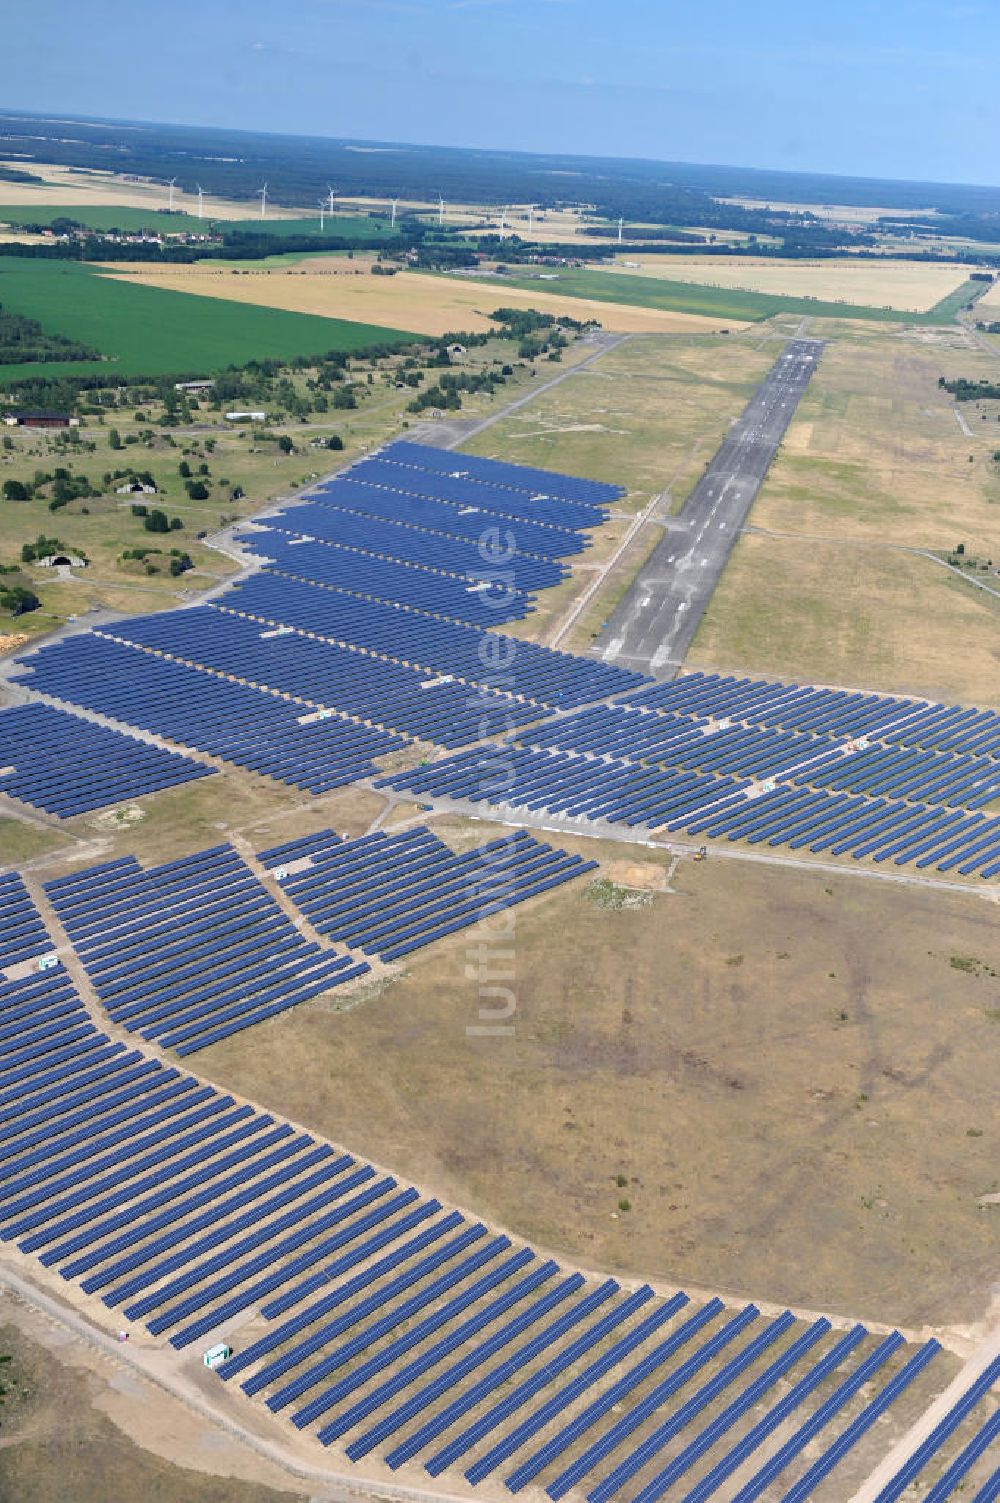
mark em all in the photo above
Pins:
pixel 389 895
pixel 383 500
pixel 763 753
pixel 510 490
pixel 66 765
pixel 23 936
pixel 378 538
pixel 399 1328
pixel 348 571
pixel 702 804
pixel 827 712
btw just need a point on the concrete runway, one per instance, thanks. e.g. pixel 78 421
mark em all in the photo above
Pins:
pixel 652 626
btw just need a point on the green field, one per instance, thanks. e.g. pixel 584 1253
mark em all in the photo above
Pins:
pixel 148 331
pixel 115 217
pixel 723 302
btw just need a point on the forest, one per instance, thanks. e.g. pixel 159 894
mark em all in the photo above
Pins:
pixel 298 169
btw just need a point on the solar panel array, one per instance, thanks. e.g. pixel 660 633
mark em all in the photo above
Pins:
pixel 388 895
pixel 23 936
pixel 975 1418
pixel 833 772
pixel 191 952
pixel 66 765
pixel 538 675
pixel 238 723
pixel 366 629
pixel 423 705
pixel 389 1325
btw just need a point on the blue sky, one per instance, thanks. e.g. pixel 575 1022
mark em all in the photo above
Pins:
pixel 881 88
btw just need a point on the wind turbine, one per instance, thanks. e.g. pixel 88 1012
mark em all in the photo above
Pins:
pixel 531 217
pixel 329 194
pixel 263 199
pixel 392 221
pixel 621 221
pixel 503 219
pixel 322 212
pixel 170 185
pixel 440 210
pixel 201 195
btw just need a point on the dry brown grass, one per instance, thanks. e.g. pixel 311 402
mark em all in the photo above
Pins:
pixel 844 213
pixel 896 284
pixel 860 617
pixel 786 1068
pixel 76 1431
pixel 991 299
pixel 422 303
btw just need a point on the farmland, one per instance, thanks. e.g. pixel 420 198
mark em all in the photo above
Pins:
pixel 149 330
pixel 63 189
pixel 905 286
pixel 426 302
pixel 103 217
pixel 665 293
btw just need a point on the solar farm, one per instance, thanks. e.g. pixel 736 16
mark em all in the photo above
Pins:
pixel 386 1333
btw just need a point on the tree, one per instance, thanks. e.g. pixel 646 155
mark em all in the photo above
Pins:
pixel 17 600
pixel 184 470
pixel 197 490
pixel 16 490
pixel 114 439
pixel 335 441
pixel 285 444
pixel 157 521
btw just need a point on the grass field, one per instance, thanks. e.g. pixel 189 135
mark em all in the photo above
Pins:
pixel 903 285
pixel 991 298
pixel 721 303
pixel 788 1070
pixel 413 300
pixel 127 217
pixel 150 330
pixel 860 617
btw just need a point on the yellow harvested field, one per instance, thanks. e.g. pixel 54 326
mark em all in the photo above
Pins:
pixel 96 189
pixel 839 213
pixel 991 299
pixel 410 300
pixel 878 284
